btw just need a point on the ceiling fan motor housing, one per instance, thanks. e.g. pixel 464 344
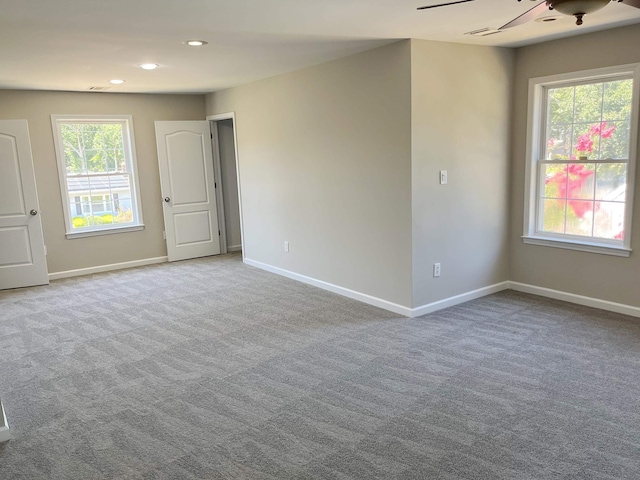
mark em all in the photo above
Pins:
pixel 577 8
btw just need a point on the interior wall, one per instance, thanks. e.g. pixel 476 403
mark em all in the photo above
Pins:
pixel 325 164
pixel 229 184
pixel 461 104
pixel 37 107
pixel 600 276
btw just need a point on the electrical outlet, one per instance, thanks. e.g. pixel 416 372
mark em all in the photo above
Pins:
pixel 286 246
pixel 436 270
pixel 443 177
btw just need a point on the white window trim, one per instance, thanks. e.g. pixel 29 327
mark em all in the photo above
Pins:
pixel 129 145
pixel 534 146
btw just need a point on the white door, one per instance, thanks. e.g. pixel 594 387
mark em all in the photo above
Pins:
pixel 188 189
pixel 22 258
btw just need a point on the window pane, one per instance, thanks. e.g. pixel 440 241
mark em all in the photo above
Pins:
pixel 615 141
pixel 588 103
pixel 586 143
pixel 97 204
pixel 580 217
pixel 553 215
pixel 611 181
pixel 617 100
pixel 555 181
pixel 120 186
pixel 558 142
pixel 72 146
pixel 581 180
pixel 560 106
pixel 609 220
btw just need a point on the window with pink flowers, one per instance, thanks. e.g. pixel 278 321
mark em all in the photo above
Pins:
pixel 582 160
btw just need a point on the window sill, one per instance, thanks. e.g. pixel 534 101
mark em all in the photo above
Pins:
pixel 104 231
pixel 600 248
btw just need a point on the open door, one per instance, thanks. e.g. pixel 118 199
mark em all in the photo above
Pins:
pixel 4 425
pixel 22 258
pixel 188 187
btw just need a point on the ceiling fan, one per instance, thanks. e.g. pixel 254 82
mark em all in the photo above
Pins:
pixel 577 8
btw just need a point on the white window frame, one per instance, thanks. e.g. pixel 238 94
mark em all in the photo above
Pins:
pixel 130 155
pixel 536 122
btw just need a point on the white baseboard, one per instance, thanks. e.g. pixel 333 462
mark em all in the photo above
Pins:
pixel 234 248
pixel 579 299
pixel 362 297
pixel 379 302
pixel 457 299
pixel 106 268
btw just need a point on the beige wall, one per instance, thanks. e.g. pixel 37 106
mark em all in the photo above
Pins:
pixel 37 107
pixel 601 276
pixel 461 102
pixel 325 163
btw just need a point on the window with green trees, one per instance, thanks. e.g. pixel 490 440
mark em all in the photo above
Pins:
pixel 96 162
pixel 582 158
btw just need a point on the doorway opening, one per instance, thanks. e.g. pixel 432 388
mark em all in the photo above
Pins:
pixel 229 200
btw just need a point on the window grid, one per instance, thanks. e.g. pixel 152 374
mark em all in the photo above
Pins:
pixel 96 163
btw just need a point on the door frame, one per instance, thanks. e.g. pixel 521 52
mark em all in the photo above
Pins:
pixel 213 119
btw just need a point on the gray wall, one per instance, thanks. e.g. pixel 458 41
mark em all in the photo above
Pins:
pixel 37 107
pixel 601 276
pixel 461 102
pixel 229 184
pixel 325 163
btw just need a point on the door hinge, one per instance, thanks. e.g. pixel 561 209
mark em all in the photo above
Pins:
pixel 212 136
pixel 215 185
pixel 218 232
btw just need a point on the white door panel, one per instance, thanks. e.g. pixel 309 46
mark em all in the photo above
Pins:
pixel 186 156
pixel 22 258
pixel 15 246
pixel 185 160
pixel 11 198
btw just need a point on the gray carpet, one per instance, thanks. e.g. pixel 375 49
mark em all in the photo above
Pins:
pixel 210 369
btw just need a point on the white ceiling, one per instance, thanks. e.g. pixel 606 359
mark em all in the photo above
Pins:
pixel 75 44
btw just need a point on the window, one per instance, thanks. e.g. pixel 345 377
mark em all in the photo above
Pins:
pixel 97 167
pixel 581 160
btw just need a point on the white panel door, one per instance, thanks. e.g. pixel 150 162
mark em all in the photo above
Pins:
pixel 185 159
pixel 22 258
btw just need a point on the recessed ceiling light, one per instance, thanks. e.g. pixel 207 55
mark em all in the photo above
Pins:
pixel 116 81
pixel 148 66
pixel 196 43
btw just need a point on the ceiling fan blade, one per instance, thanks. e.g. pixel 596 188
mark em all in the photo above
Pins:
pixel 444 4
pixel 631 3
pixel 526 16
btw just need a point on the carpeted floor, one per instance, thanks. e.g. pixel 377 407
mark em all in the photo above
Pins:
pixel 210 369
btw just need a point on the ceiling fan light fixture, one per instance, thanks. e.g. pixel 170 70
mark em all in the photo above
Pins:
pixel 578 8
